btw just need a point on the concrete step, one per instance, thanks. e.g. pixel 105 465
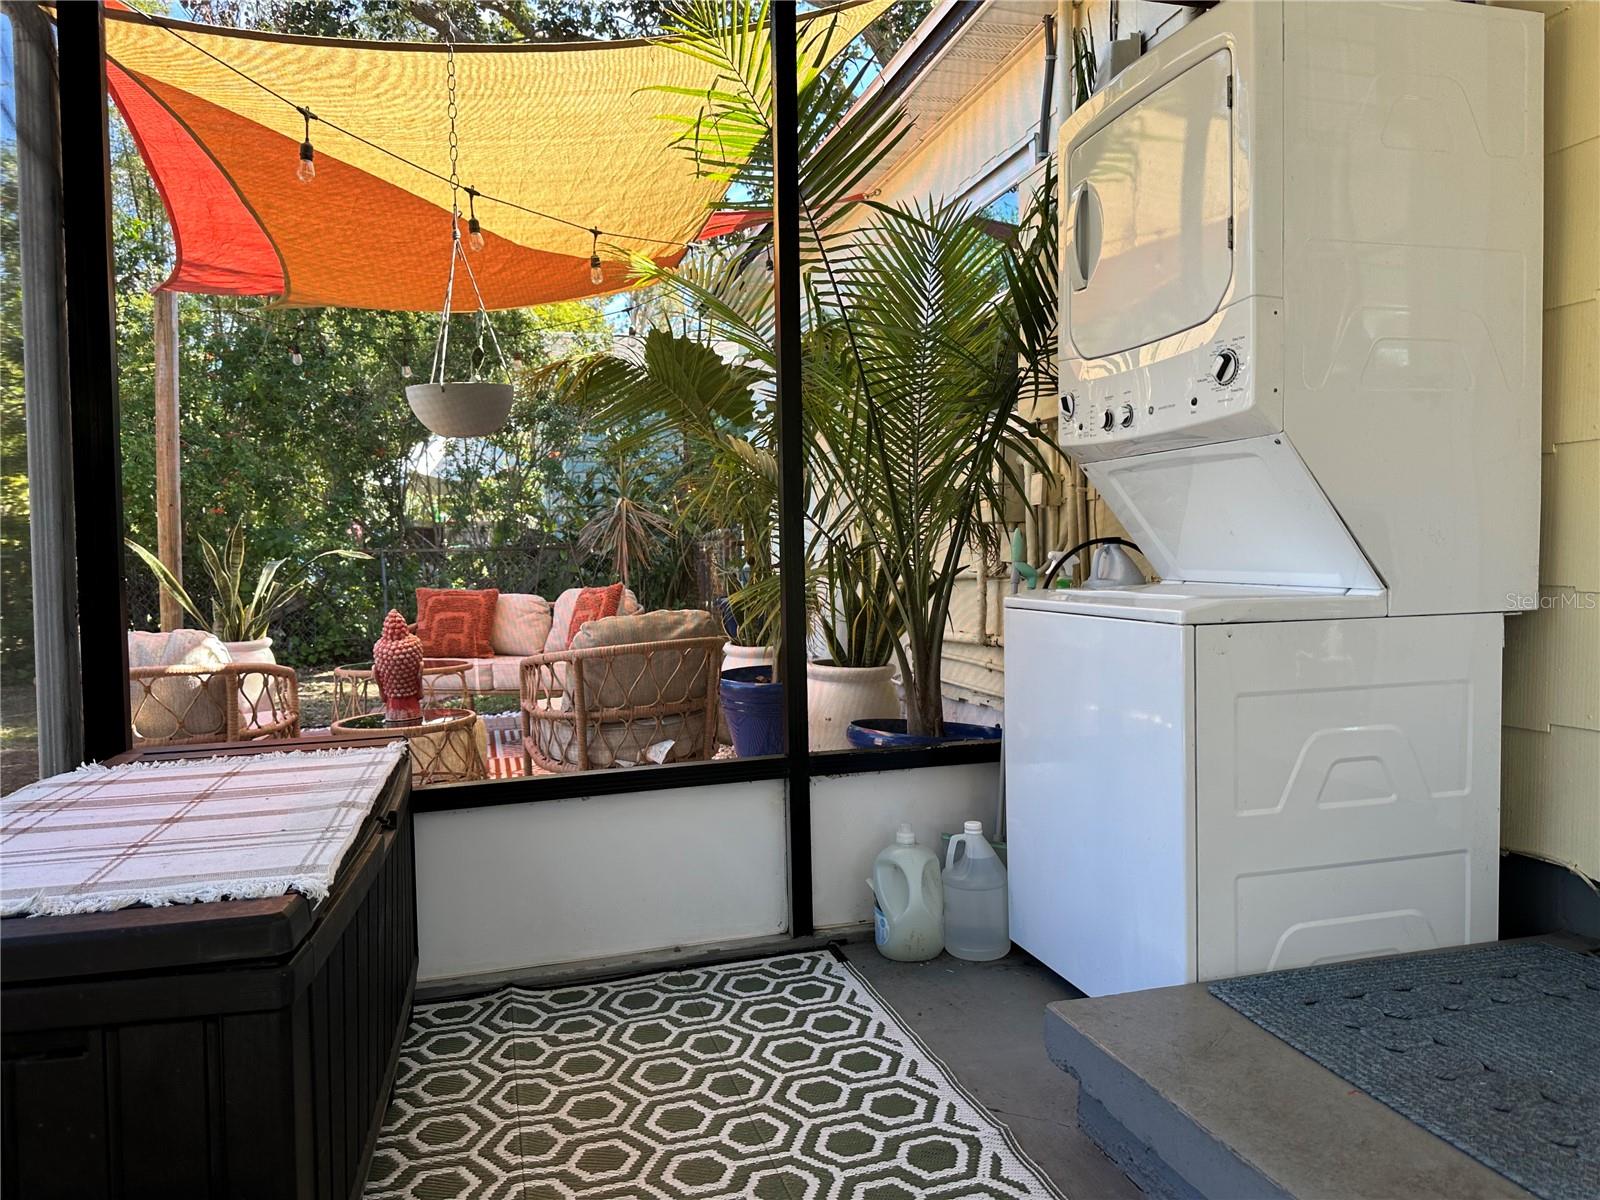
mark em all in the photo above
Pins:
pixel 1194 1101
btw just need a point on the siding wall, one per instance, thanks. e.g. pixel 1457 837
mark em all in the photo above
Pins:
pixel 1550 804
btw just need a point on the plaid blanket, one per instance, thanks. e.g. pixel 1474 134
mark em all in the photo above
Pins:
pixel 241 827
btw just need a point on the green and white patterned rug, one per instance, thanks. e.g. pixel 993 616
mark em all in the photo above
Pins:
pixel 779 1079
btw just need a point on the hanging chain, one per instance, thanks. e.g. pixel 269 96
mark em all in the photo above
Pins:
pixel 457 250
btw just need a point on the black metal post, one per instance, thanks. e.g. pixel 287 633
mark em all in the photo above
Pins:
pixel 791 453
pixel 92 378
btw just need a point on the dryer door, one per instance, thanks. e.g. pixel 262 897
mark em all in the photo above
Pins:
pixel 1148 233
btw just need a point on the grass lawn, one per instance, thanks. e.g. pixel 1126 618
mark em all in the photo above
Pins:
pixel 19 735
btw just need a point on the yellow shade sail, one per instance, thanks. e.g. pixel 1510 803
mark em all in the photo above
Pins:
pixel 558 140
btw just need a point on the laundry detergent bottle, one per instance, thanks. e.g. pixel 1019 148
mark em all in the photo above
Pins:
pixel 976 919
pixel 908 912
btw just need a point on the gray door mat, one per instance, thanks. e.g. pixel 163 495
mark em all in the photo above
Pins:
pixel 786 1078
pixel 1495 1049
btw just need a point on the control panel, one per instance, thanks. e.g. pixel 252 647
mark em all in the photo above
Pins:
pixel 1215 383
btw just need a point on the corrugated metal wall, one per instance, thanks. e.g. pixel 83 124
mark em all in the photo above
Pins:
pixel 1550 768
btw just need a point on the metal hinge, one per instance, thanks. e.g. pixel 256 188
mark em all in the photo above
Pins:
pixel 1230 91
pixel 1230 233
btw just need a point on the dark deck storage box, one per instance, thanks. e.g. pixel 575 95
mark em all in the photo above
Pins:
pixel 232 1050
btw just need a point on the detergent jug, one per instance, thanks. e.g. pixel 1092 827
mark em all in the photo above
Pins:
pixel 908 908
pixel 976 922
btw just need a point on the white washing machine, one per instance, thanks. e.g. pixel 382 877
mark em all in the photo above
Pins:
pixel 1300 360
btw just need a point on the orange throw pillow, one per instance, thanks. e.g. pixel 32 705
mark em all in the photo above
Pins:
pixel 455 623
pixel 592 604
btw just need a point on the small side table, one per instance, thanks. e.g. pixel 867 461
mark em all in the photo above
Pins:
pixel 448 745
pixel 355 691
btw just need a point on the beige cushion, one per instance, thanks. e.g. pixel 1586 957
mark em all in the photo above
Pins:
pixel 521 624
pixel 561 616
pixel 187 706
pixel 670 738
pixel 662 677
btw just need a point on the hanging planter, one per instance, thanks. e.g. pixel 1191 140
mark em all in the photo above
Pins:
pixel 475 407
pixel 461 410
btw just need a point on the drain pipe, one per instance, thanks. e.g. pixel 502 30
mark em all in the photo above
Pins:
pixel 1041 142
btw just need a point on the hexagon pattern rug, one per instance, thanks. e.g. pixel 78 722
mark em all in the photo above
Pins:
pixel 779 1079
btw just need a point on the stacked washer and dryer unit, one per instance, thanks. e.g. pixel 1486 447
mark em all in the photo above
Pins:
pixel 1300 360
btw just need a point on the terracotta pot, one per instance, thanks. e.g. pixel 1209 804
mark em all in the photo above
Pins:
pixel 461 409
pixel 835 696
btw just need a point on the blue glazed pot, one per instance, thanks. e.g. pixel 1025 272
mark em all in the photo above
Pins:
pixel 874 734
pixel 753 704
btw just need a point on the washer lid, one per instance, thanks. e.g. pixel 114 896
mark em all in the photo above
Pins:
pixel 1245 512
pixel 1205 603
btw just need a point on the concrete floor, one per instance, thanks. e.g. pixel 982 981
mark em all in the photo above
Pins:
pixel 985 1021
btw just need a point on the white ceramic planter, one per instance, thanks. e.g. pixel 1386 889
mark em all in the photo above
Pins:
pixel 461 409
pixel 835 696
pixel 745 656
pixel 258 651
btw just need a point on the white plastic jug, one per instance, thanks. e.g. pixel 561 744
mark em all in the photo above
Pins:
pixel 908 916
pixel 977 923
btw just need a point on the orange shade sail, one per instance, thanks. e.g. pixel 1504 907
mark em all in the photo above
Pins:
pixel 557 139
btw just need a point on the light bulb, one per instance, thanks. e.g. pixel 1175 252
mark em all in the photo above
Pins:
pixel 307 170
pixel 474 235
pixel 405 370
pixel 516 361
pixel 296 357
pixel 596 275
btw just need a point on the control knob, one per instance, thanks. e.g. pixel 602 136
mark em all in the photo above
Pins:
pixel 1108 421
pixel 1125 415
pixel 1225 367
pixel 1069 404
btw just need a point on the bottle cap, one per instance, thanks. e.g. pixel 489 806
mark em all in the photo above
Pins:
pixel 974 827
pixel 904 837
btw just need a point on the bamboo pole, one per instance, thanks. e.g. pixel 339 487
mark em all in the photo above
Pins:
pixel 169 493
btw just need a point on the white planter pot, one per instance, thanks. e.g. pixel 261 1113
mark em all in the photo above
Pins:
pixel 258 651
pixel 461 409
pixel 745 656
pixel 835 696
pixel 254 686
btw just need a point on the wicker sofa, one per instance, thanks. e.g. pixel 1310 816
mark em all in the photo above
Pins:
pixel 628 691
pixel 524 624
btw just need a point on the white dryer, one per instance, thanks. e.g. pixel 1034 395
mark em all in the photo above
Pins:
pixel 1300 344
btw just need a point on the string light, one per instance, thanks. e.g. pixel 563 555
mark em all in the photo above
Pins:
pixel 596 275
pixel 295 356
pixel 474 230
pixel 405 370
pixel 307 170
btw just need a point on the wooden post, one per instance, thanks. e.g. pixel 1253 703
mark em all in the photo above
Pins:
pixel 169 492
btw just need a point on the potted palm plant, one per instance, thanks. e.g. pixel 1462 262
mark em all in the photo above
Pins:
pixel 238 621
pixel 927 428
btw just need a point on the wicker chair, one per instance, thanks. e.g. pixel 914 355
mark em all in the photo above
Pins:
pixel 238 702
pixel 622 705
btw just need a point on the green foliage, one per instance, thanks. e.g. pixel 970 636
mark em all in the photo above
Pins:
pixel 16 595
pixel 233 617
